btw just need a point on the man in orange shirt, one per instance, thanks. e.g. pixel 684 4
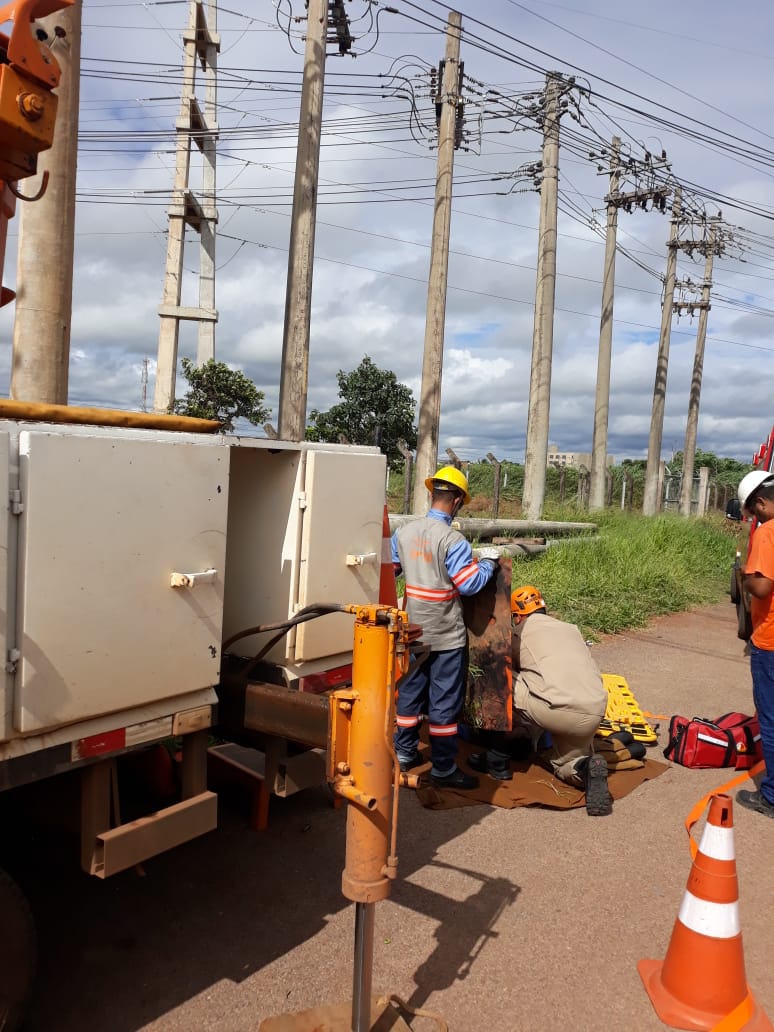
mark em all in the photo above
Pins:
pixel 756 497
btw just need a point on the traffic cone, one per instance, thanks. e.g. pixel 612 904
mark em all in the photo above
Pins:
pixel 388 595
pixel 701 982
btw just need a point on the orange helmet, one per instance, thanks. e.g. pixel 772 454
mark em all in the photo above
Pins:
pixel 526 599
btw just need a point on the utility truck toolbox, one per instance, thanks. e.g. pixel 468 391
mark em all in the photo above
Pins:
pixel 128 556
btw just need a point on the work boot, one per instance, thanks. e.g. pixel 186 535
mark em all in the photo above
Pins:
pixel 755 801
pixel 593 772
pixel 482 763
pixel 457 779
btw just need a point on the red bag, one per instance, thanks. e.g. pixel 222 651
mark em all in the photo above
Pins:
pixel 746 733
pixel 733 740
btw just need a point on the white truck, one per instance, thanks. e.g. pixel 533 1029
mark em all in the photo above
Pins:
pixel 127 557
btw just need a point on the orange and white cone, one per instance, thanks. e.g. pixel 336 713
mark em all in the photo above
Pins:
pixel 701 982
pixel 388 595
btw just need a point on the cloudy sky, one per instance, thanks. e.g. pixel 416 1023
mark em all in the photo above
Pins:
pixel 690 86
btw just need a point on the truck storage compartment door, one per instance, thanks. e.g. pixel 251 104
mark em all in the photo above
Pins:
pixel 107 522
pixel 341 544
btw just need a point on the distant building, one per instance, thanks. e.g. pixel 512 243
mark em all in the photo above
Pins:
pixel 575 460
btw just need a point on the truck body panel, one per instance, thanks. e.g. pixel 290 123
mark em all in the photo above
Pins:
pixel 93 525
pixel 105 524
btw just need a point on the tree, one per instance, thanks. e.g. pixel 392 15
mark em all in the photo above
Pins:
pixel 218 392
pixel 725 471
pixel 375 409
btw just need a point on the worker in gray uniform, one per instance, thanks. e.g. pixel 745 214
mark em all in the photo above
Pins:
pixel 438 565
pixel 557 687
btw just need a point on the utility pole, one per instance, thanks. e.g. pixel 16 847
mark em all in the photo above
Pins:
pixel 144 384
pixel 450 102
pixel 44 292
pixel 294 379
pixel 647 191
pixel 536 448
pixel 602 396
pixel 194 125
pixel 407 454
pixel 713 246
pixel 651 501
pixel 496 485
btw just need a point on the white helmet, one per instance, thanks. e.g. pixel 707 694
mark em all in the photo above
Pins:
pixel 751 482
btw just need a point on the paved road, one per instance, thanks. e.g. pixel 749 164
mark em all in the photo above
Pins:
pixel 504 921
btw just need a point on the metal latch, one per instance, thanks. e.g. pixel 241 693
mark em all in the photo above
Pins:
pixel 190 580
pixel 17 505
pixel 302 500
pixel 361 560
pixel 13 657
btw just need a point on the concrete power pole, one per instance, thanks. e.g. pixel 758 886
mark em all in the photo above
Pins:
pixel 432 363
pixel 44 292
pixel 651 501
pixel 200 42
pixel 536 449
pixel 602 396
pixel 294 379
pixel 713 247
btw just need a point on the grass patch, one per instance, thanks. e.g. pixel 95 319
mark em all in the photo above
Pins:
pixel 637 568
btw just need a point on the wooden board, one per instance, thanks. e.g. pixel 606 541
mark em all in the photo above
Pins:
pixel 489 697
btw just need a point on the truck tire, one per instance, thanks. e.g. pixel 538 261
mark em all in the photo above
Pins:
pixel 18 953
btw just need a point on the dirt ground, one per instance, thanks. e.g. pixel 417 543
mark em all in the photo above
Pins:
pixel 523 920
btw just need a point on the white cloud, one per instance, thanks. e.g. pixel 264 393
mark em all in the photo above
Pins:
pixel 373 256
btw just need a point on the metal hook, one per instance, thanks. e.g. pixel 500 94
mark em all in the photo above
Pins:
pixel 35 197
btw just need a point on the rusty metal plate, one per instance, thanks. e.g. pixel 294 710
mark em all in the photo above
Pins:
pixel 337 1018
pixel 489 696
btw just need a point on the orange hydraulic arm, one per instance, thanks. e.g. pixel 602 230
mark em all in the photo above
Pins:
pixel 28 74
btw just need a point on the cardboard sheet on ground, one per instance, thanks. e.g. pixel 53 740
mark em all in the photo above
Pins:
pixel 532 785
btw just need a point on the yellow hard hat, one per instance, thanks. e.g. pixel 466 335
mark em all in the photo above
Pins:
pixel 449 475
pixel 526 599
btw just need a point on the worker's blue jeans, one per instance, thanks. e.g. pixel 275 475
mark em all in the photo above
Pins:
pixel 435 687
pixel 762 669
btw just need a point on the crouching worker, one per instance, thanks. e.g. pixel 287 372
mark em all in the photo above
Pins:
pixel 558 688
pixel 438 565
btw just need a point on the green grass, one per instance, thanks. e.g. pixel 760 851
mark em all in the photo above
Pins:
pixel 637 568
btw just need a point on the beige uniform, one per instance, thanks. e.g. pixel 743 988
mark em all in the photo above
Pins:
pixel 558 686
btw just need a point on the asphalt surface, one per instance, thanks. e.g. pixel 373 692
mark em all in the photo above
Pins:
pixel 523 920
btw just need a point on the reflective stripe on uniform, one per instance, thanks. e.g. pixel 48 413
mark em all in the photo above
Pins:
pixel 430 594
pixel 407 721
pixel 465 574
pixel 442 729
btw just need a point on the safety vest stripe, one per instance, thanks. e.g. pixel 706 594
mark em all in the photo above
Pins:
pixel 465 574
pixel 716 920
pixel 431 594
pixel 407 721
pixel 442 729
